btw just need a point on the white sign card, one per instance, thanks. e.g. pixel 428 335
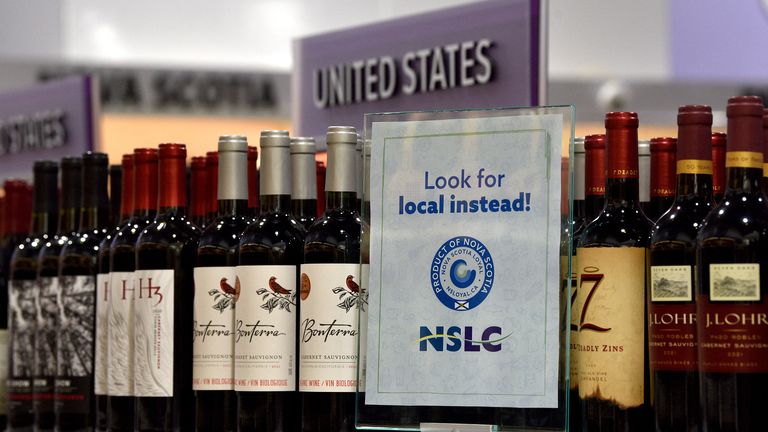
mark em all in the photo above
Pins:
pixel 464 275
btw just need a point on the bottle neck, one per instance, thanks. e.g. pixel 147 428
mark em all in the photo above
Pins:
pixel 94 218
pixel 43 223
pixel 233 207
pixel 340 201
pixel 743 180
pixel 304 208
pixel 275 204
pixel 623 192
pixel 579 209
pixel 698 185
pixel 593 205
pixel 173 211
pixel 68 220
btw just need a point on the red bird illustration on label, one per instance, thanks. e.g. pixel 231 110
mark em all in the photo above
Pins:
pixel 276 288
pixel 352 285
pixel 226 296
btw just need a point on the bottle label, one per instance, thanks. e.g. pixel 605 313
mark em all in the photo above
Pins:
pixel 216 291
pixel 331 302
pixel 672 319
pixel 743 159
pixel 570 295
pixel 733 321
pixel 75 344
pixel 47 308
pixel 265 329
pixel 102 341
pixel 611 324
pixel 694 166
pixel 153 333
pixel 120 334
pixel 3 371
pixel 21 327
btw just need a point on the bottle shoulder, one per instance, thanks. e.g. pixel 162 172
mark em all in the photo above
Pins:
pixel 617 226
pixel 738 217
pixel 273 228
pixel 166 230
pixel 335 225
pixel 224 232
pixel 682 222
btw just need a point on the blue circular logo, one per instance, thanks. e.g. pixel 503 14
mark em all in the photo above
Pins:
pixel 462 273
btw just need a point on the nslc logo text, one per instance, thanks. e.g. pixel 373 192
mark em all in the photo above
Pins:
pixel 456 338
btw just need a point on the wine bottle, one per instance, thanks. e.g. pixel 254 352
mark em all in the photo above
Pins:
pixel 198 200
pixel 253 181
pixel 22 293
pixel 216 291
pixel 332 269
pixel 732 265
pixel 163 304
pixel 48 287
pixel 103 280
pixel 303 181
pixel 123 287
pixel 115 193
pixel 662 176
pixel 16 218
pixel 594 179
pixel 271 250
pixel 613 381
pixel 719 141
pixel 212 169
pixel 671 307
pixel 74 383
pixel 644 170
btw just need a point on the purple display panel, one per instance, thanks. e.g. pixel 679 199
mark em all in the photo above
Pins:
pixel 47 121
pixel 719 40
pixel 481 55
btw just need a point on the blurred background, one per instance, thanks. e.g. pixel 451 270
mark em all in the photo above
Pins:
pixel 226 66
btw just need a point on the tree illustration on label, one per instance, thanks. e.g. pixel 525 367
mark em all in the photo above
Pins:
pixel 279 297
pixel 595 279
pixel 351 295
pixel 225 297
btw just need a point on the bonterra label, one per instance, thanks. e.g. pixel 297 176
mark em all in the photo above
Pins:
pixel 153 352
pixel 672 319
pixel 213 347
pixel 611 299
pixel 102 343
pixel 120 319
pixel 75 344
pixel 265 328
pixel 331 298
pixel 733 321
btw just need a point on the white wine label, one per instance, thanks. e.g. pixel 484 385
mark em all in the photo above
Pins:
pixel 102 343
pixel 216 291
pixel 120 322
pixel 734 282
pixel 75 344
pixel 153 324
pixel 331 299
pixel 671 283
pixel 265 329
pixel 611 324
pixel 3 370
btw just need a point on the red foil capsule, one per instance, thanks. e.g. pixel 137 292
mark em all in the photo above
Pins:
pixel 663 169
pixel 594 176
pixel 745 132
pixel 145 180
pixel 173 170
pixel 621 145
pixel 198 202
pixel 719 141
pixel 694 130
pixel 126 204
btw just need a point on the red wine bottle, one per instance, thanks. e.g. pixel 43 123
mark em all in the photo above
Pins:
pixel 663 167
pixel 332 268
pixel 123 291
pixel 77 300
pixel 22 293
pixel 267 312
pixel 212 169
pixel 304 180
pixel 115 193
pixel 671 306
pixel 198 200
pixel 47 303
pixel 613 380
pixel 253 181
pixel 216 291
pixel 594 179
pixel 103 288
pixel 719 141
pixel 732 294
pixel 165 252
